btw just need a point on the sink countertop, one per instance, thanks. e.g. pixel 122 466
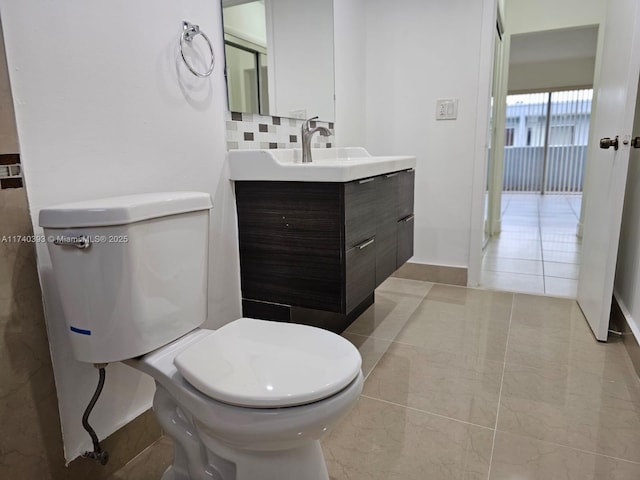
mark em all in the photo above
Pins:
pixel 328 165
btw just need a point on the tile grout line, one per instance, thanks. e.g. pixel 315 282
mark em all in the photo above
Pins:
pixel 368 336
pixel 506 207
pixel 581 450
pixel 379 359
pixel 145 452
pixel 384 339
pixel 404 344
pixel 544 277
pixel 419 347
pixel 426 412
pixel 514 273
pixel 575 214
pixel 504 368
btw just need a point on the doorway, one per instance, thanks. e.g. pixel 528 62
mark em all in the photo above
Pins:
pixel 613 77
pixel 545 142
pixel 536 173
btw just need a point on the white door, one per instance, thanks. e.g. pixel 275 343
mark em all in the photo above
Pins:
pixel 607 170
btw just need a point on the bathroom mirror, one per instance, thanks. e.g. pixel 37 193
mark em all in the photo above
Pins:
pixel 279 57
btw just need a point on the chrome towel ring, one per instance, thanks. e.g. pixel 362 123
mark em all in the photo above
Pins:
pixel 189 32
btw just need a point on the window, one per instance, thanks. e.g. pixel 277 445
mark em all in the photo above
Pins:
pixel 561 134
pixel 546 140
pixel 508 136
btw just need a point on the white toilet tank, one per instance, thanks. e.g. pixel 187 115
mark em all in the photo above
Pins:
pixel 131 271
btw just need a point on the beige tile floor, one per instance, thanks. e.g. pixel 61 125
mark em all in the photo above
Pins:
pixel 537 250
pixel 477 384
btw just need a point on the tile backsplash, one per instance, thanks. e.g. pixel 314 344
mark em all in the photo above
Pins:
pixel 253 131
pixel 10 171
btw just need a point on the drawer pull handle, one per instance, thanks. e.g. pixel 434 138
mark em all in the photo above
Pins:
pixel 409 218
pixel 366 244
pixel 410 170
pixel 366 180
pixel 391 175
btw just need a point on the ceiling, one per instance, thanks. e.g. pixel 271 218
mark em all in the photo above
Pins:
pixel 554 45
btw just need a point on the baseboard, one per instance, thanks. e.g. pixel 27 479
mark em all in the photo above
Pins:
pixel 496 227
pixel 123 446
pixel 620 322
pixel 433 273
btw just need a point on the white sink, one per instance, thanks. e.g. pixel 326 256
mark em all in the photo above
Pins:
pixel 328 165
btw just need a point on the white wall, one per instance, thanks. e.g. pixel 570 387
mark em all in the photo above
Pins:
pixel 300 46
pixel 350 47
pixel 522 16
pixel 418 52
pixel 531 21
pixel 553 59
pixel 415 53
pixel 556 74
pixel 104 107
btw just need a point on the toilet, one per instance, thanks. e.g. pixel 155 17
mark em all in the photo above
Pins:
pixel 248 401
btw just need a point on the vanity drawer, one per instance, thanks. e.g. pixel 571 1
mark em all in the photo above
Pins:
pixel 360 273
pixel 405 240
pixel 386 246
pixel 359 211
pixel 406 182
pixel 387 197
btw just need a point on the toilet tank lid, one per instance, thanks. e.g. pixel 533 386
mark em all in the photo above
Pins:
pixel 123 209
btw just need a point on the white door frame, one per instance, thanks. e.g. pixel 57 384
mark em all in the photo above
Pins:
pixel 485 71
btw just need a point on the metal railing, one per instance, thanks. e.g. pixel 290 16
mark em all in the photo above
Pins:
pixel 545 141
pixel 564 173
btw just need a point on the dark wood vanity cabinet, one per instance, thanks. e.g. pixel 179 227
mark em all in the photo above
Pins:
pixel 360 241
pixel 313 252
pixel 406 183
pixel 394 222
pixel 291 243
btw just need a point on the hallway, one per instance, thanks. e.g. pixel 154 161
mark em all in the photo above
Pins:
pixel 537 250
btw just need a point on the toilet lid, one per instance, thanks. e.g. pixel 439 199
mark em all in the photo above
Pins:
pixel 263 364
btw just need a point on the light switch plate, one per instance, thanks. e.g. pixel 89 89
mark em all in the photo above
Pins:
pixel 446 109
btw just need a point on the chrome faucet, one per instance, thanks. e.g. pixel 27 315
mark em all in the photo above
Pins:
pixel 306 134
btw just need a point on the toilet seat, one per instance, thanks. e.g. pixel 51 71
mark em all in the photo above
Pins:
pixel 263 364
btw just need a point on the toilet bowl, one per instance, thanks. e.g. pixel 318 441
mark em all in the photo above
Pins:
pixel 248 401
pixel 275 442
